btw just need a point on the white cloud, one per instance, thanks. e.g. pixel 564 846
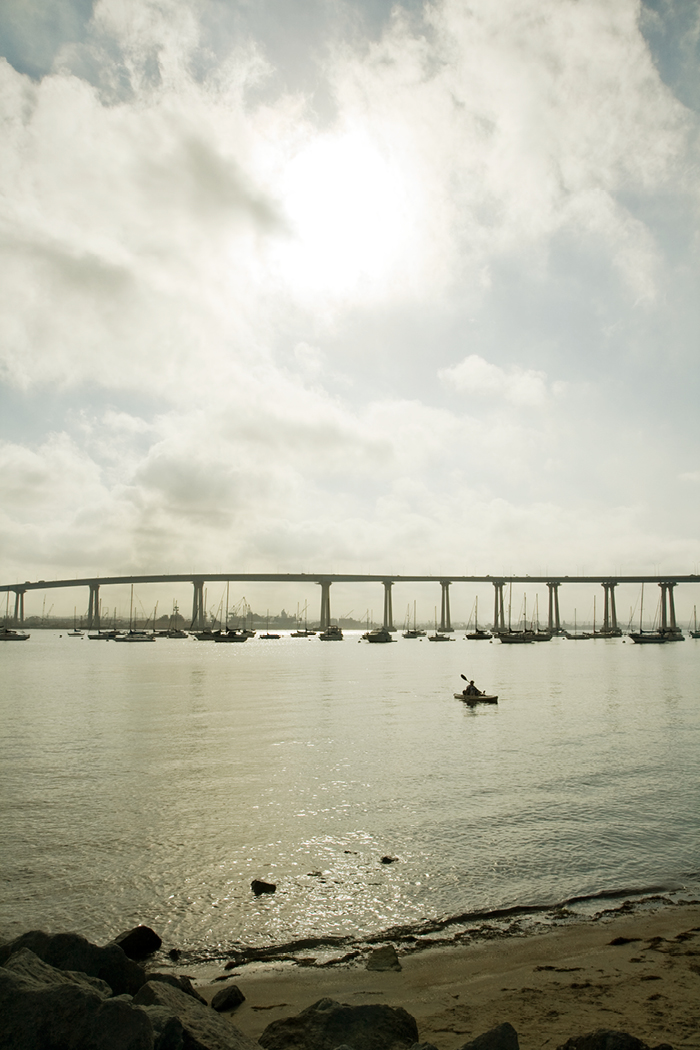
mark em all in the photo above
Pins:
pixel 288 304
pixel 520 386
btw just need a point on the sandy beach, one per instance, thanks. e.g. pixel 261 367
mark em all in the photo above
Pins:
pixel 549 985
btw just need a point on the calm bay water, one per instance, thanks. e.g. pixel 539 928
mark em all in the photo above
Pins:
pixel 152 783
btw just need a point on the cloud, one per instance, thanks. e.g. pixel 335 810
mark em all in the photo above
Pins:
pixel 254 318
pixel 520 386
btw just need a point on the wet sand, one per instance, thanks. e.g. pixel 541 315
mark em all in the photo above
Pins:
pixel 549 985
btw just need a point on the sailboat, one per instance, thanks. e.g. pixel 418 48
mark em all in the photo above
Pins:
pixel 694 632
pixel 642 637
pixel 478 634
pixel 539 634
pixel 576 637
pixel 267 634
pixel 229 634
pixel 523 636
pixel 75 633
pixel 305 632
pixel 133 635
pixel 438 637
pixel 412 632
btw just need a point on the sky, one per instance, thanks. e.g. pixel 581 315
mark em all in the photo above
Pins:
pixel 328 286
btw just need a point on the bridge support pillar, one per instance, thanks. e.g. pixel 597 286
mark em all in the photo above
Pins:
pixel 445 622
pixel 499 623
pixel 668 608
pixel 609 611
pixel 198 614
pixel 93 620
pixel 388 611
pixel 325 621
pixel 18 617
pixel 553 622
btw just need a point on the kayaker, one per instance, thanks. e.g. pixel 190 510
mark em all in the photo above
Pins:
pixel 471 690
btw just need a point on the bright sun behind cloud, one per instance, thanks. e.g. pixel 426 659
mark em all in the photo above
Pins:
pixel 346 209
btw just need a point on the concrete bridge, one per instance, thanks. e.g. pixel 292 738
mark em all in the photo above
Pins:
pixel 325 580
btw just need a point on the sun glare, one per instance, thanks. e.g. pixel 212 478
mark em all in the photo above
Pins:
pixel 346 210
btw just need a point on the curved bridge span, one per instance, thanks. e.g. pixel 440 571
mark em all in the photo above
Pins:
pixel 324 581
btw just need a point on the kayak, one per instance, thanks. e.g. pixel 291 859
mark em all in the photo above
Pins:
pixel 482 698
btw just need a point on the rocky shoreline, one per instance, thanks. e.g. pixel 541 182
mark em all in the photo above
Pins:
pixel 60 992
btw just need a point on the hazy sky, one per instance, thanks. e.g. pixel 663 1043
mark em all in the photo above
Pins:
pixel 310 285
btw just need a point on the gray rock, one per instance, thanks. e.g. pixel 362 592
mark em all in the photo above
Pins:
pixel 423 1046
pixel 138 943
pixel 502 1037
pixel 228 998
pixel 67 1016
pixel 203 1028
pixel 177 981
pixel 168 1033
pixel 327 1024
pixel 70 951
pixel 607 1039
pixel 384 958
pixel 26 964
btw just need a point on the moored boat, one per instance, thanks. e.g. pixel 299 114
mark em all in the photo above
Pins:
pixel 510 637
pixel 8 634
pixel 478 634
pixel 379 634
pixel 642 637
pixel 332 633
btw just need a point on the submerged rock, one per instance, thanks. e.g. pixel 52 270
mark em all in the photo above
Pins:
pixel 328 1024
pixel 384 958
pixel 258 887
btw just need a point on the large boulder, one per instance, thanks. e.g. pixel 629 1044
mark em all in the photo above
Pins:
pixel 67 1016
pixel 502 1037
pixel 168 1033
pixel 608 1039
pixel 228 998
pixel 71 951
pixel 138 943
pixel 204 1028
pixel 180 981
pixel 26 964
pixel 327 1024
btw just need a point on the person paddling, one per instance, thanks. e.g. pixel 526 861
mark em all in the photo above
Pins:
pixel 471 689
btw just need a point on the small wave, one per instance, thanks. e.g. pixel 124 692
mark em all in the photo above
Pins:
pixel 470 925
